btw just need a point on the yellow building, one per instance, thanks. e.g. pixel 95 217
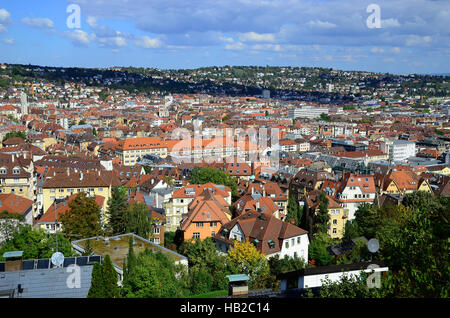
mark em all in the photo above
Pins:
pixel 65 182
pixel 338 218
pixel 130 149
pixel 16 176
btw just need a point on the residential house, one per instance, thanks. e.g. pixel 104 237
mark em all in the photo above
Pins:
pixel 206 214
pixel 268 234
pixel 178 205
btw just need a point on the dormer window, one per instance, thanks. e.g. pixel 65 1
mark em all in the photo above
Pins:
pixel 3 170
pixel 16 170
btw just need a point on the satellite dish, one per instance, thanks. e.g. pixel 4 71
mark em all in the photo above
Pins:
pixel 373 245
pixel 57 259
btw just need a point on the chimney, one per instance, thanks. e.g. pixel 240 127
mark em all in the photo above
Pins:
pixel 264 191
pixel 257 205
pixel 68 171
pixel 81 175
pixel 12 158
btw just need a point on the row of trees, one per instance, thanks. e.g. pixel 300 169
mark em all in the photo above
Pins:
pixel 414 245
pixel 151 274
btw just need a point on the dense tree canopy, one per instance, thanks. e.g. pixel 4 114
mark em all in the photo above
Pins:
pixel 83 218
pixel 36 243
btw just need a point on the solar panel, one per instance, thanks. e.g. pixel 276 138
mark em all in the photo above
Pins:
pixel 93 259
pixel 2 267
pixel 81 261
pixel 29 264
pixel 69 261
pixel 43 263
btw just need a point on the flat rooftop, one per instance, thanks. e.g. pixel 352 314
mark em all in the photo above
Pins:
pixel 117 248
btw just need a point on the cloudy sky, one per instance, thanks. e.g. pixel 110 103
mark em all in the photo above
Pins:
pixel 413 36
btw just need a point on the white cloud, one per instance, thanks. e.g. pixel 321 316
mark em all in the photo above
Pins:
pixel 257 37
pixel 116 41
pixel 43 23
pixel 147 42
pixel 4 20
pixel 235 46
pixel 80 38
pixel 321 24
pixel 228 40
pixel 396 50
pixel 390 23
pixel 376 50
pixel 8 41
pixel 92 21
pixel 414 40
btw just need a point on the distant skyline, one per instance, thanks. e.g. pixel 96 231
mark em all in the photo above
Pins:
pixel 414 36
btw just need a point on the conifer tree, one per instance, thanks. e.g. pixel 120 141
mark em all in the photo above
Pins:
pixel 111 290
pixel 117 209
pixel 97 287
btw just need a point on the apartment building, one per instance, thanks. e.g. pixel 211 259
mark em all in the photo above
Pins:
pixel 131 149
pixel 62 183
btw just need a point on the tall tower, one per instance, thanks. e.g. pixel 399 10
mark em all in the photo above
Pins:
pixel 164 109
pixel 24 103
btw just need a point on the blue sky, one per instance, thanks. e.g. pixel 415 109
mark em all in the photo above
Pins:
pixel 414 36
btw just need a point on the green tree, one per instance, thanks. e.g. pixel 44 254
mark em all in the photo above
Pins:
pixel 88 251
pixel 109 275
pixel 322 216
pixel 349 286
pixel 14 134
pixel 137 219
pixel 35 243
pixel 155 275
pixel 117 209
pixel 244 258
pixel 83 217
pixel 97 289
pixel 202 256
pixel 317 249
pixel 292 211
pixel 216 176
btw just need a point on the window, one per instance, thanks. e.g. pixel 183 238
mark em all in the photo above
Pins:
pixel 286 244
pixel 332 211
pixel 334 230
pixel 213 224
pixel 337 211
pixel 199 224
pixel 293 242
pixel 334 221
pixel 298 240
pixel 100 189
pixel 61 190
pixel 271 244
pixel 52 190
pixel 156 230
pixel 213 233
pixel 196 236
